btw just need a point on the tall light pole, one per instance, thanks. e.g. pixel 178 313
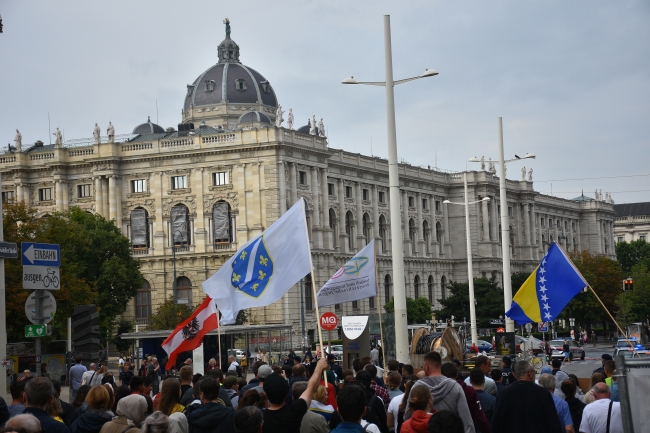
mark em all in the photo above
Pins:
pixel 505 226
pixel 470 271
pixel 397 244
pixel 174 258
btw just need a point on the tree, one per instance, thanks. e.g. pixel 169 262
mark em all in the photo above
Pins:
pixel 167 317
pixel 634 305
pixel 633 253
pixel 417 310
pixel 122 326
pixel 96 266
pixel 488 296
pixel 517 279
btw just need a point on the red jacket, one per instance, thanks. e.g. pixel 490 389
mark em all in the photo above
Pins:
pixel 417 423
pixel 331 394
pixel 481 423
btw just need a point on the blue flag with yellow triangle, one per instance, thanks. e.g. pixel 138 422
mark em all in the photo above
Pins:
pixel 548 289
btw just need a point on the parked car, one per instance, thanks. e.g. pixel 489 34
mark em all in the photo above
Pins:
pixel 625 342
pixel 627 352
pixel 237 353
pixel 575 351
pixel 336 350
pixel 483 346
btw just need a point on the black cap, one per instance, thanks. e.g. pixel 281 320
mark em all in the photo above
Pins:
pixel 607 357
pixel 557 363
pixel 365 378
pixel 330 356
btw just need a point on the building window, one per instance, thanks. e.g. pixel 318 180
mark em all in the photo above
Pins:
pixel 138 185
pixel 240 84
pixel 382 197
pixel 366 195
pixel 430 289
pixel 309 305
pixel 220 178
pixel 330 189
pixel 349 229
pixel 416 287
pixel 209 85
pixel 642 238
pixel 44 194
pixel 426 235
pixel 302 177
pixel 143 302
pixel 179 219
pixel 8 196
pixel 413 235
pixel 333 226
pixel 621 239
pixel 222 223
pixel 84 190
pixel 139 228
pixel 337 307
pixel 348 191
pixel 425 204
pixel 366 227
pixel 510 211
pixel 183 291
pixel 438 205
pixel 382 232
pixel 179 182
pixel 265 86
pixel 443 287
pixel 387 284
pixel 411 201
pixel 355 305
pixel 371 303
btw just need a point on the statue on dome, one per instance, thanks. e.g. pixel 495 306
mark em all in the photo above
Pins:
pixel 491 168
pixel 278 116
pixel 110 131
pixel 321 128
pixel 482 163
pixel 523 173
pixel 312 125
pixel 290 119
pixel 97 134
pixel 19 141
pixel 530 174
pixel 227 23
pixel 58 138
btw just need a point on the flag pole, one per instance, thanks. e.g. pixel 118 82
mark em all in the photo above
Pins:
pixel 219 338
pixel 381 328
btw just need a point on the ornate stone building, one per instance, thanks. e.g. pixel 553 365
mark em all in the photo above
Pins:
pixel 230 171
pixel 632 222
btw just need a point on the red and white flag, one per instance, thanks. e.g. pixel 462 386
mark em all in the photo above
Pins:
pixel 189 334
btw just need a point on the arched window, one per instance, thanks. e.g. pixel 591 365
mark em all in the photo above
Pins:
pixel 143 301
pixel 416 287
pixel 371 303
pixel 139 229
pixel 333 226
pixel 426 235
pixel 387 284
pixel 183 291
pixel 413 235
pixel 438 232
pixel 366 227
pixel 309 304
pixel 222 223
pixel 349 229
pixel 383 232
pixel 430 289
pixel 575 244
pixel 443 287
pixel 180 225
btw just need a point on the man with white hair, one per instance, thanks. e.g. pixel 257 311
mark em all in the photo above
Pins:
pixel 232 363
pixel 24 423
pixel 88 375
pixel 547 381
pixel 603 415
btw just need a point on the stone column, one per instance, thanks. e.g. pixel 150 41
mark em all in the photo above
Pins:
pixel 118 205
pixel 343 244
pixel 282 184
pixel 599 224
pixel 242 217
pixel 99 197
pixel 66 195
pixel 486 221
pixel 419 237
pixel 317 237
pixel 112 198
pixel 406 241
pixel 375 212
pixel 533 225
pixel 434 232
pixel 571 234
pixel 59 196
pixel 327 243
pixel 358 199
pixel 527 223
pixel 105 197
pixel 494 206
pixel 445 229
pixel 293 184
pixel 203 239
pixel 579 237
pixel 20 192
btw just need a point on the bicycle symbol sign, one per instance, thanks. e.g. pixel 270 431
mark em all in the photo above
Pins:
pixel 41 278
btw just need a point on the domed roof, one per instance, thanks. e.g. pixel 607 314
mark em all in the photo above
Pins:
pixel 305 129
pixel 148 128
pixel 229 81
pixel 254 116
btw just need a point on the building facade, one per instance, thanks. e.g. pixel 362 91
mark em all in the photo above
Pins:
pixel 231 170
pixel 632 222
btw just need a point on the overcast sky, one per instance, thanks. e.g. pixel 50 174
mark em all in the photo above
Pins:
pixel 571 79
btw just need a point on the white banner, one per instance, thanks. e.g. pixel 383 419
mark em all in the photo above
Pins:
pixel 353 281
pixel 353 326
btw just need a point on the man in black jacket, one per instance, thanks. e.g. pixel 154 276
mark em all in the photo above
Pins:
pixel 374 403
pixel 210 416
pixel 525 407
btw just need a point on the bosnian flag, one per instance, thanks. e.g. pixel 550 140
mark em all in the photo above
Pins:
pixel 189 334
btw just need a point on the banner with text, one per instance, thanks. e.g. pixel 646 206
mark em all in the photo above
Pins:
pixel 353 281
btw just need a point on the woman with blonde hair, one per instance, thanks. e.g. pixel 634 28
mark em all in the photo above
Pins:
pixel 319 403
pixel 54 408
pixel 97 414
pixel 170 397
pixel 130 413
pixel 420 404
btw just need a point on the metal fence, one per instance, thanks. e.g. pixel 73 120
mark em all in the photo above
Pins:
pixel 633 377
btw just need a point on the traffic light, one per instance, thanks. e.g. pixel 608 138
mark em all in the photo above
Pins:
pixel 448 323
pixel 628 284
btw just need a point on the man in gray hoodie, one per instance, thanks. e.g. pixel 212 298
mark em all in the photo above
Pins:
pixel 446 393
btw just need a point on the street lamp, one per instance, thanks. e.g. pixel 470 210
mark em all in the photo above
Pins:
pixel 470 271
pixel 401 332
pixel 174 258
pixel 505 228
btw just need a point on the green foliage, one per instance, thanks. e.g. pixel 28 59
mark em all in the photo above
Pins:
pixel 167 317
pixel 517 279
pixel 634 305
pixel 417 310
pixel 632 254
pixel 96 266
pixel 242 317
pixel 123 326
pixel 489 301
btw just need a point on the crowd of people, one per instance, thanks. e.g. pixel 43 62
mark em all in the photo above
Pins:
pixel 317 396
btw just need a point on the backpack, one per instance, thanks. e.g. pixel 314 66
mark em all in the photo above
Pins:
pixel 370 415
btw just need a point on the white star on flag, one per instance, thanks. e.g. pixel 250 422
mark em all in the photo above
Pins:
pixel 547 307
pixel 542 280
pixel 542 270
pixel 544 297
pixel 547 315
pixel 542 289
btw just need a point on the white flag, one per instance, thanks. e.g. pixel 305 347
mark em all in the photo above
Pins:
pixel 355 280
pixel 264 268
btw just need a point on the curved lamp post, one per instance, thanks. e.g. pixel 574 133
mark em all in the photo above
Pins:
pixel 505 227
pixel 399 290
pixel 470 271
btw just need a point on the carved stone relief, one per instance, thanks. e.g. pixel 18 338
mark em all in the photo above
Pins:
pixel 189 201
pixel 209 201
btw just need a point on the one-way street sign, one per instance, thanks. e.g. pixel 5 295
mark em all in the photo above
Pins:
pixel 34 254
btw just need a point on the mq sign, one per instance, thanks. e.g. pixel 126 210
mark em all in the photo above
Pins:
pixel 328 321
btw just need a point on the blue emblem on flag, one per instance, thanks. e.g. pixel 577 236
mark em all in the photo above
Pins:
pixel 252 269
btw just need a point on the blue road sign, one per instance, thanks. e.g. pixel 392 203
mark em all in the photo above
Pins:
pixel 34 254
pixel 542 327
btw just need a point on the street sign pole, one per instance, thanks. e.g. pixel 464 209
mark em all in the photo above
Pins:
pixel 38 296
